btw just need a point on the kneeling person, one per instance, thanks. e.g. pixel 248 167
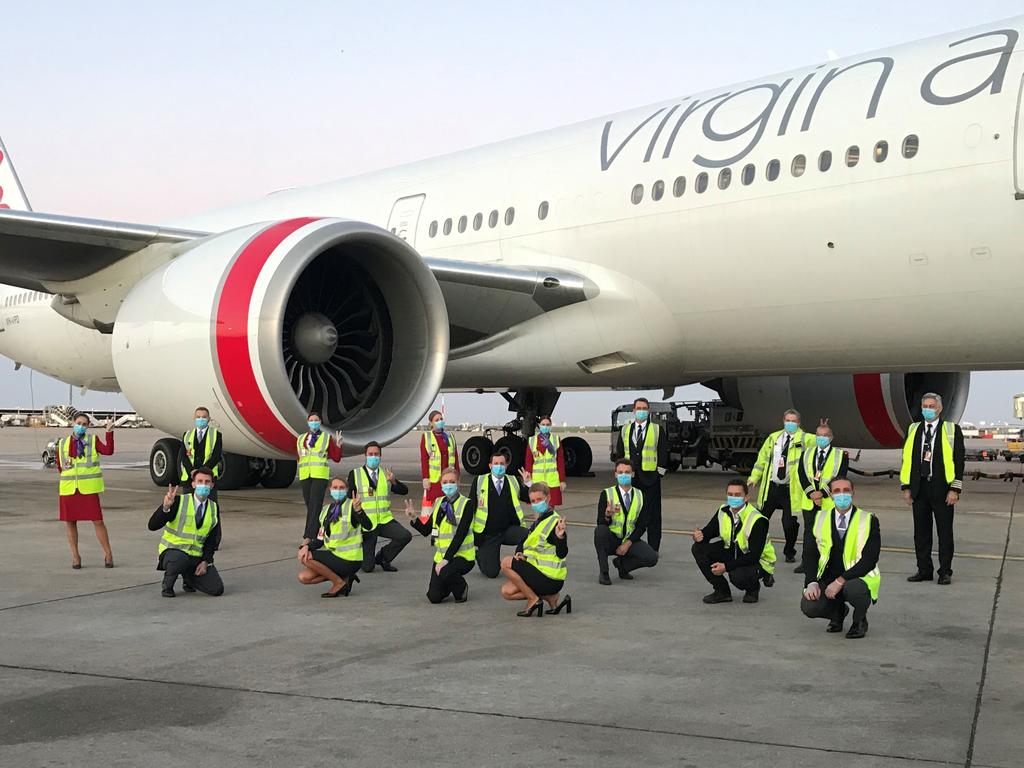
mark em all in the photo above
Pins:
pixel 374 485
pixel 450 528
pixel 337 551
pixel 498 516
pixel 620 517
pixel 191 534
pixel 842 563
pixel 735 541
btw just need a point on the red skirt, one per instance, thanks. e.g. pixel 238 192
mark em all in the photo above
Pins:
pixel 81 506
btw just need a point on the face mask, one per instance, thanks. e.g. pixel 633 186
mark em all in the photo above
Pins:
pixel 439 425
pixel 202 423
pixel 498 470
pixel 640 415
pixel 843 500
pixel 791 427
pixel 735 502
pixel 80 429
pixel 202 491
pixel 314 426
pixel 338 494
pixel 449 489
pixel 821 441
pixel 624 479
pixel 540 507
pixel 928 413
pixel 373 462
pixel 545 429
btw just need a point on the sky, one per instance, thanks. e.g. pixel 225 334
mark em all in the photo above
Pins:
pixel 145 112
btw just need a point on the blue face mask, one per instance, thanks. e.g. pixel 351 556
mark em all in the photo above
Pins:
pixel 439 425
pixel 498 470
pixel 791 427
pixel 202 423
pixel 202 491
pixel 929 414
pixel 735 502
pixel 843 500
pixel 372 462
pixel 339 494
pixel 80 429
pixel 540 507
pixel 449 489
pixel 822 441
pixel 640 415
pixel 624 479
pixel 314 426
pixel 545 429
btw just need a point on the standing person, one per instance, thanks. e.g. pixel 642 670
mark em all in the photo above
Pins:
pixel 81 483
pixel 646 447
pixel 438 452
pixel 537 571
pixel 191 534
pixel 337 551
pixel 545 461
pixel 777 469
pixel 201 446
pixel 932 479
pixel 842 563
pixel 818 466
pixel 620 518
pixel 314 449
pixel 735 541
pixel 498 514
pixel 373 486
pixel 450 528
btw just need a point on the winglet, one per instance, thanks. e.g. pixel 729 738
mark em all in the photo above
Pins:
pixel 12 195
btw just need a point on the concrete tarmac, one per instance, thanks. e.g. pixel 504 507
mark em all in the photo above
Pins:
pixel 97 669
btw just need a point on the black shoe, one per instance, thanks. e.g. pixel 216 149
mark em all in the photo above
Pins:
pixel 858 630
pixel 751 596
pixel 624 575
pixel 167 592
pixel 187 587
pixel 919 577
pixel 388 567
pixel 108 563
pixel 945 579
pixel 76 566
pixel 718 597
pixel 537 608
pixel 465 596
pixel 799 568
pixel 790 558
pixel 347 589
pixel 605 579
pixel 768 579
pixel 836 623
pixel 566 603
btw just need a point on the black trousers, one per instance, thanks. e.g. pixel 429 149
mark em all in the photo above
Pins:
pixel 488 551
pixel 930 504
pixel 855 592
pixel 778 498
pixel 450 581
pixel 176 563
pixel 640 555
pixel 313 492
pixel 398 536
pixel 746 578
pixel 808 515
pixel 652 512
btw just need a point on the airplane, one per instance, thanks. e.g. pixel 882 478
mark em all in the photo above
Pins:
pixel 819 239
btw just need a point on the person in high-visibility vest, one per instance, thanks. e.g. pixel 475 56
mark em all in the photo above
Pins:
pixel 932 479
pixel 373 485
pixel 449 524
pixel 777 470
pixel 645 445
pixel 818 466
pixel 545 460
pixel 735 542
pixel 81 483
pixel 621 516
pixel 842 563
pixel 537 571
pixel 191 534
pixel 336 553
pixel 438 452
pixel 201 446
pixel 496 499
pixel 314 450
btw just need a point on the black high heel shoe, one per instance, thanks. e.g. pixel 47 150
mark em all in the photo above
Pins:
pixel 537 608
pixel 566 603
pixel 347 589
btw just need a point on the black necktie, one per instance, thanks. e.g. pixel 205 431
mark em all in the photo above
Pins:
pixel 821 460
pixel 926 448
pixel 841 525
pixel 783 456
pixel 200 510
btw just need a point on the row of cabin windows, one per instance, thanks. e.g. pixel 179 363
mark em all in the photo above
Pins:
pixel 23 298
pixel 478 220
pixel 773 170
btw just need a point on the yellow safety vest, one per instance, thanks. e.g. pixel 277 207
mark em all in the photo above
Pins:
pixel 764 468
pixel 376 501
pixel 539 552
pixel 545 463
pixel 748 516
pixel 624 523
pixel 483 489
pixel 832 464
pixel 181 532
pixel 313 461
pixel 344 540
pixel 857 531
pixel 445 531
pixel 434 454
pixel 81 473
pixel 189 439
pixel 648 451
pixel 947 433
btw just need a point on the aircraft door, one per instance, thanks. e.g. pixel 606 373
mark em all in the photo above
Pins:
pixel 1018 144
pixel 405 216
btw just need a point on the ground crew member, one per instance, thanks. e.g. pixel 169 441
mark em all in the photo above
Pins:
pixel 777 469
pixel 842 563
pixel 545 461
pixel 373 486
pixel 817 467
pixel 932 479
pixel 314 449
pixel 438 451
pixel 735 541
pixel 646 446
pixel 191 534
pixel 621 511
pixel 495 500
pixel 537 571
pixel 337 551
pixel 450 527
pixel 81 483
pixel 201 446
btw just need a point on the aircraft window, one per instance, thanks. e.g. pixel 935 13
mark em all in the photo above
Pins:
pixel 478 221
pixel 447 226
pixel 799 165
pixel 542 210
pixel 679 187
pixel 748 174
pixel 462 223
pixel 910 146
pixel 852 156
pixel 773 170
pixel 881 151
pixel 702 183
pixel 510 216
pixel 724 178
pixel 658 190
pixel 637 195
pixel 824 161
pixel 492 220
pixel 433 228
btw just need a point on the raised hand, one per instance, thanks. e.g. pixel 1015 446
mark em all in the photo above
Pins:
pixel 338 438
pixel 170 496
pixel 357 503
pixel 525 476
pixel 409 511
pixel 389 473
pixel 109 425
pixel 611 510
pixel 426 483
pixel 560 528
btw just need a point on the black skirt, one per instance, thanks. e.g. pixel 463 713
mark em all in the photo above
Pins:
pixel 341 567
pixel 543 586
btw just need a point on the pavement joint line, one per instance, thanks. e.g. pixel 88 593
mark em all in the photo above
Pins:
pixel 480 713
pixel 991 630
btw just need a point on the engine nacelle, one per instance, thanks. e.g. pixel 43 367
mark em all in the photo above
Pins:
pixel 865 410
pixel 265 323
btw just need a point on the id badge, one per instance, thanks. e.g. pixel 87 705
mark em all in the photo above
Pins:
pixel 781 463
pixel 927 456
pixel 817 477
pixel 434 532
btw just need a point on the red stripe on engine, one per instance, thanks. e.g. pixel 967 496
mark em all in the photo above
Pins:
pixel 867 388
pixel 232 335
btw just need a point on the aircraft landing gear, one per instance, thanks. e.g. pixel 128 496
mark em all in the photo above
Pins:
pixel 236 471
